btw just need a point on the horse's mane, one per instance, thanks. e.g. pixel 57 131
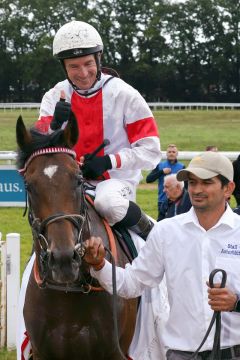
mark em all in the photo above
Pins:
pixel 39 140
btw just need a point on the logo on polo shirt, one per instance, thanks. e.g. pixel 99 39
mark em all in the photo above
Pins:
pixel 231 249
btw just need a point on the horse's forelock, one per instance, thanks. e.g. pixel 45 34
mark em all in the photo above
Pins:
pixel 39 141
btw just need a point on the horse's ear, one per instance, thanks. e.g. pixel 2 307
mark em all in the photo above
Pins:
pixel 71 132
pixel 22 135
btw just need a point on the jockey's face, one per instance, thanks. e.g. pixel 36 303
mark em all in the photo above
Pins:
pixel 82 71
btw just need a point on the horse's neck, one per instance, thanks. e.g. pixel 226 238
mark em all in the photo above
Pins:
pixel 97 227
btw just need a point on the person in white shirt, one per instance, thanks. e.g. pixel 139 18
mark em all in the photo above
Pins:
pixel 186 248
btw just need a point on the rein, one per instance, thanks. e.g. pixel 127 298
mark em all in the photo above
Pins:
pixel 216 351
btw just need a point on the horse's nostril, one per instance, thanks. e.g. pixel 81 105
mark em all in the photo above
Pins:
pixel 63 258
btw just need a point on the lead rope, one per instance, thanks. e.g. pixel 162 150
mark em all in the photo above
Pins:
pixel 216 350
pixel 115 322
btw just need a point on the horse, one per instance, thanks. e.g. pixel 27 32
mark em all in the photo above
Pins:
pixel 66 312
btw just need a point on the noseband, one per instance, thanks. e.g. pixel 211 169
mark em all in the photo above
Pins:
pixel 80 221
pixel 40 227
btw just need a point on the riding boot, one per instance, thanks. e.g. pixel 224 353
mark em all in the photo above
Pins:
pixel 143 226
pixel 136 220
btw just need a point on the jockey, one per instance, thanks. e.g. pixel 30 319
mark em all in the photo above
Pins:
pixel 105 107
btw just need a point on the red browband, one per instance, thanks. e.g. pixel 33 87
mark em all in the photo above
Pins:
pixel 50 150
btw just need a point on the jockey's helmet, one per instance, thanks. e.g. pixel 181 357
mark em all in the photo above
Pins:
pixel 75 39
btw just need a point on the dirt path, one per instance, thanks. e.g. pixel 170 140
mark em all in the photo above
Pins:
pixel 147 186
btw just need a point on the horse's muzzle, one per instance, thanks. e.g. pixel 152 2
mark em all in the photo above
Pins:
pixel 64 266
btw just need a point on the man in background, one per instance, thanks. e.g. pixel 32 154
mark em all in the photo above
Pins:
pixel 211 148
pixel 169 166
pixel 177 201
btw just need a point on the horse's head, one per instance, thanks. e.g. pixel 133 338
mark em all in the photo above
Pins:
pixel 55 192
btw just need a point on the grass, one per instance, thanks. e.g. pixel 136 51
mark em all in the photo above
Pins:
pixel 194 130
pixel 8 120
pixel 7 355
pixel 189 130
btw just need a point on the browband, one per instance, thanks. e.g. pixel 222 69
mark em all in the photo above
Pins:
pixel 45 151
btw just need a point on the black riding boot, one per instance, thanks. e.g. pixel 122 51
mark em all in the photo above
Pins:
pixel 143 226
pixel 137 221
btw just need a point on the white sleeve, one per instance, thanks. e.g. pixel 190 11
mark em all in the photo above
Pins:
pixel 52 96
pixel 141 129
pixel 146 270
pixel 145 154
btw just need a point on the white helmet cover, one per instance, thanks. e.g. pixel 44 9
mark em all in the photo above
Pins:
pixel 75 39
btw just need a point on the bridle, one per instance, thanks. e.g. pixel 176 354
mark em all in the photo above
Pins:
pixel 40 227
pixel 80 222
pixel 40 241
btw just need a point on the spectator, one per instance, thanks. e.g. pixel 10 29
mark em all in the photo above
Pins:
pixel 169 166
pixel 186 249
pixel 236 179
pixel 211 148
pixel 237 210
pixel 177 201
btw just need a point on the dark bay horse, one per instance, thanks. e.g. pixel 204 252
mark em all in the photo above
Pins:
pixel 67 315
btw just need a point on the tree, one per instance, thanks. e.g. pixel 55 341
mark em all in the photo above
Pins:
pixel 168 51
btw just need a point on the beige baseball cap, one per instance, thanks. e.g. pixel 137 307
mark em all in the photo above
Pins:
pixel 208 165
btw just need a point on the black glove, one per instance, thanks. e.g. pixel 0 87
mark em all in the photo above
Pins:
pixel 96 166
pixel 61 114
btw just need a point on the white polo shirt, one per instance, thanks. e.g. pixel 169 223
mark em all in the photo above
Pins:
pixel 182 249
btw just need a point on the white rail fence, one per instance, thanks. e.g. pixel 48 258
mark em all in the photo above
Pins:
pixel 14 106
pixel 9 157
pixel 9 289
pixel 193 106
pixel 152 105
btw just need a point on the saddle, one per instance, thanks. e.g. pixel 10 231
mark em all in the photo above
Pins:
pixel 121 234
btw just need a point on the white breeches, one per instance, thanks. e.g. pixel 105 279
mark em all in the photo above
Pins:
pixel 112 199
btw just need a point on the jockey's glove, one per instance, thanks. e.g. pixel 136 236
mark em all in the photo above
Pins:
pixel 61 114
pixel 95 167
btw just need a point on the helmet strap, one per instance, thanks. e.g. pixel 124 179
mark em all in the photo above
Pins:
pixel 98 63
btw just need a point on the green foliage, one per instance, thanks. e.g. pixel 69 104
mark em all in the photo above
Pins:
pixel 169 51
